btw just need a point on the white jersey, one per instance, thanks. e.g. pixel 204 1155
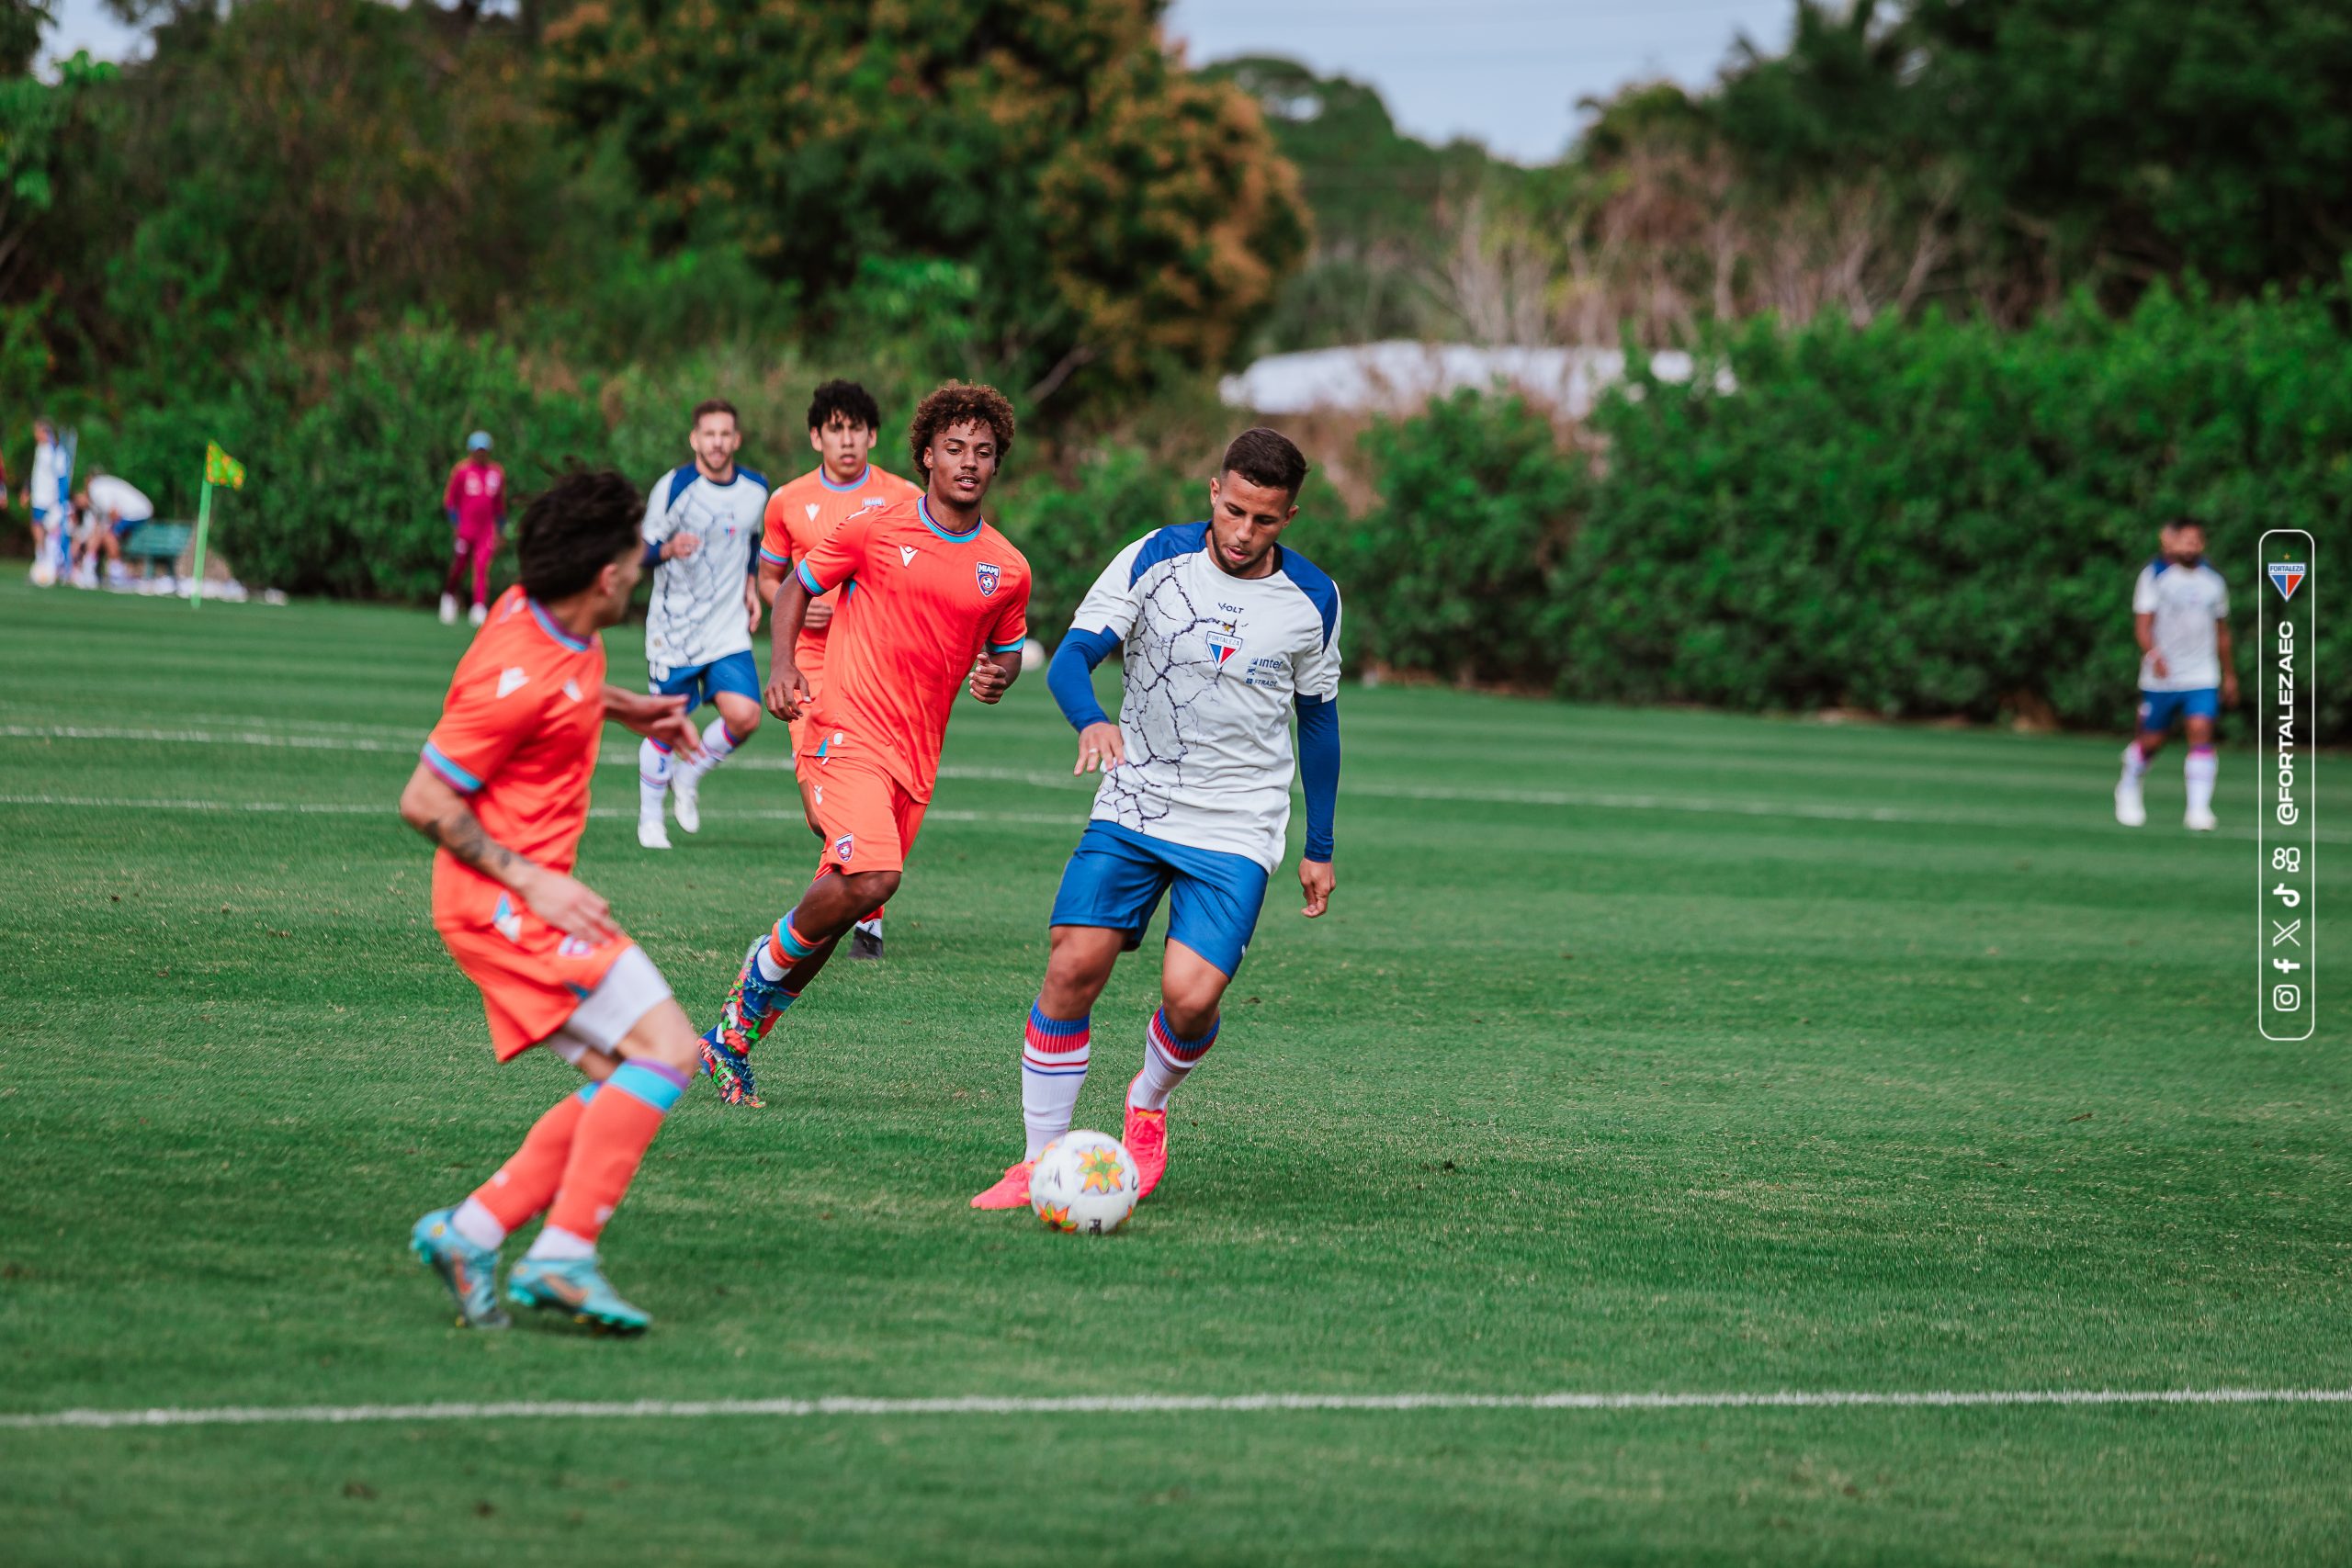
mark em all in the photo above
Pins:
pixel 697 616
pixel 2188 603
pixel 47 486
pixel 1213 663
pixel 120 497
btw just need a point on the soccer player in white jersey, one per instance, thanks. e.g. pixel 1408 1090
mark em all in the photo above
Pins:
pixel 702 537
pixel 1228 635
pixel 2180 614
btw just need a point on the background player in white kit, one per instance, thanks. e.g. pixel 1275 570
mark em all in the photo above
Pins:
pixel 1227 635
pixel 702 535
pixel 2180 614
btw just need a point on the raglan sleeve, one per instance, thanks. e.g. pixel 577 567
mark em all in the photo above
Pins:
pixel 840 556
pixel 1316 674
pixel 1314 670
pixel 1111 606
pixel 480 727
pixel 776 534
pixel 2143 593
pixel 656 529
pixel 1010 629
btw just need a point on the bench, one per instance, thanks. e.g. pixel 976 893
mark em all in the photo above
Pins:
pixel 153 542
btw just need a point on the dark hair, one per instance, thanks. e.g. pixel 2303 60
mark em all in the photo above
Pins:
pixel 2184 521
pixel 847 399
pixel 717 405
pixel 1266 457
pixel 575 529
pixel 957 404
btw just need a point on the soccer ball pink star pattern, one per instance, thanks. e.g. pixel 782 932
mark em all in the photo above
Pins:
pixel 1085 1182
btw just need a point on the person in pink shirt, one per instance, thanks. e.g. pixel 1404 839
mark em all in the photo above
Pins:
pixel 475 499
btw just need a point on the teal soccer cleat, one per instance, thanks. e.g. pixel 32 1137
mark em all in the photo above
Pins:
pixel 577 1286
pixel 469 1271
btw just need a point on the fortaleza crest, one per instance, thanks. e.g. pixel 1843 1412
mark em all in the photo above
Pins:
pixel 1224 641
pixel 988 576
pixel 845 846
pixel 2286 576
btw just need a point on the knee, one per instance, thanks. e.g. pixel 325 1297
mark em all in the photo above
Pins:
pixel 743 716
pixel 874 888
pixel 1192 1014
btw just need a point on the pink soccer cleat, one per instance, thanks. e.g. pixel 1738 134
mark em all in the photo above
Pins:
pixel 1011 1189
pixel 1146 1140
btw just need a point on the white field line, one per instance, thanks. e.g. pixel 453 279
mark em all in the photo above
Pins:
pixel 1145 1404
pixel 355 808
pixel 1588 800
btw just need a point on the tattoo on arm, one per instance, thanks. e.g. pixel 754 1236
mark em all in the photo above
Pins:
pixel 461 833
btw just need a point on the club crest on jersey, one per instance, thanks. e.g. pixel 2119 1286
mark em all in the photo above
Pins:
pixel 1224 643
pixel 575 947
pixel 988 576
pixel 2286 576
pixel 845 846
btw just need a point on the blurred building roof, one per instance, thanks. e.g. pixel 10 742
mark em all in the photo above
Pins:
pixel 1398 377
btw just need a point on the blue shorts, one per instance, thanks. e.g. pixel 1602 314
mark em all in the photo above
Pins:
pixel 700 683
pixel 1115 877
pixel 2159 711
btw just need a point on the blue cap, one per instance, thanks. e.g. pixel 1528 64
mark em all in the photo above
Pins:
pixel 478 442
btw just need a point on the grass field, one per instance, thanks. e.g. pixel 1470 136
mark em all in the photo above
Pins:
pixel 1641 1052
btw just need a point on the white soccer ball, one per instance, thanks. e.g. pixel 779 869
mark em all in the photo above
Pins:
pixel 1085 1182
pixel 1032 656
pixel 44 573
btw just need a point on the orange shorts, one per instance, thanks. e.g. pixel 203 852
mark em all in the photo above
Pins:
pixel 538 984
pixel 868 819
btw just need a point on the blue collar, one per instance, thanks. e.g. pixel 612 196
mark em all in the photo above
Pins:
pixel 827 480
pixel 547 625
pixel 923 508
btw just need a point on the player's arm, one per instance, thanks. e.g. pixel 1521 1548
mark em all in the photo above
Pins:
pixel 449 498
pixel 788 688
pixel 2229 669
pixel 1319 775
pixel 1070 678
pixel 433 806
pixel 657 717
pixel 999 664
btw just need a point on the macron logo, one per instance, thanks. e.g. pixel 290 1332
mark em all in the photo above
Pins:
pixel 571 690
pixel 512 680
pixel 812 512
pixel 906 555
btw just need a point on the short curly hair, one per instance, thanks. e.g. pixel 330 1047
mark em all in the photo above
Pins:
pixel 959 403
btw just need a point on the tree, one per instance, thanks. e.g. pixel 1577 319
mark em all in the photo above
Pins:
pixel 1118 215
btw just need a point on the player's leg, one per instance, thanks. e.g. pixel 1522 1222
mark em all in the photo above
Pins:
pixel 460 559
pixel 1213 912
pixel 658 1057
pixel 657 769
pixel 485 547
pixel 2202 765
pixel 732 684
pixel 869 821
pixel 1108 891
pixel 2156 716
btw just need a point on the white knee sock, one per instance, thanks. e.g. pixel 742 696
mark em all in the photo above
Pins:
pixel 653 777
pixel 1167 1062
pixel 2200 770
pixel 1053 1069
pixel 718 743
pixel 2135 763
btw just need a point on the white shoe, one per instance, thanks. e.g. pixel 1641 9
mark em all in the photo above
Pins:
pixel 477 615
pixel 449 610
pixel 651 834
pixel 2201 821
pixel 683 783
pixel 2129 809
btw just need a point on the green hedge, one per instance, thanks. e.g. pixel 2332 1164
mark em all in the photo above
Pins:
pixel 1932 519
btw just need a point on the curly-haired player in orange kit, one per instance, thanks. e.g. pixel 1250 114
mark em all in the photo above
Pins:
pixel 931 599
pixel 503 788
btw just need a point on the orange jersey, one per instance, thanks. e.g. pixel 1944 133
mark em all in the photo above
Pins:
pixel 517 737
pixel 921 604
pixel 802 515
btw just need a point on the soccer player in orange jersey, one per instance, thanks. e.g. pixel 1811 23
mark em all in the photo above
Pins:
pixel 502 789
pixel 843 424
pixel 931 599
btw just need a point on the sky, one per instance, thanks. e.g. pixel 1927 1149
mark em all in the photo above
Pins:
pixel 1508 72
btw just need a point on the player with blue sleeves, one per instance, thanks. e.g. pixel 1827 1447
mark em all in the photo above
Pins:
pixel 1227 636
pixel 2180 611
pixel 702 539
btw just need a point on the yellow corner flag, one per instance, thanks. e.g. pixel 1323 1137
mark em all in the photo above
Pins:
pixel 219 468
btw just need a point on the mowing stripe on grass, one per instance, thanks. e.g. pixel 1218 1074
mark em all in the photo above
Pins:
pixel 363 809
pixel 1588 800
pixel 1145 1404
